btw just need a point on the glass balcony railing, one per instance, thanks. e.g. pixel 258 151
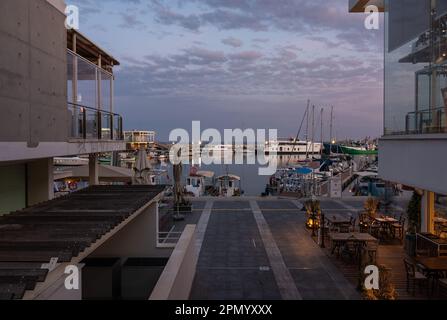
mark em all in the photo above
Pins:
pixel 427 121
pixel 93 124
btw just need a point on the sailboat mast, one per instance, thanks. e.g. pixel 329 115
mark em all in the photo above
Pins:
pixel 307 129
pixel 332 117
pixel 321 133
pixel 313 129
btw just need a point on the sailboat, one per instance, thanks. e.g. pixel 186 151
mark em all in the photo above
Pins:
pixel 292 146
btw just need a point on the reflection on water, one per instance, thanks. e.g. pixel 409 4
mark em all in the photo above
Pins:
pixel 252 183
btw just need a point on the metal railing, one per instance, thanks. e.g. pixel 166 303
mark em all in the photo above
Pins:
pixel 93 124
pixel 426 121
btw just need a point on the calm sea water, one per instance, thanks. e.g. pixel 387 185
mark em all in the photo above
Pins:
pixel 252 183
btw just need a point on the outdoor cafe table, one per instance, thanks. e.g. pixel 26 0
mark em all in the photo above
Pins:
pixel 386 220
pixel 337 219
pixel 385 224
pixel 354 236
pixel 338 238
pixel 436 267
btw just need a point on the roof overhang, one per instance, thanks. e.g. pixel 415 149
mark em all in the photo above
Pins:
pixel 89 50
pixel 360 5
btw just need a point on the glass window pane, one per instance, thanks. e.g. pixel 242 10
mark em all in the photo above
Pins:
pixel 87 87
pixel 106 80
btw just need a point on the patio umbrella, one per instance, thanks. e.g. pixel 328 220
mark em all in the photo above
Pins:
pixel 178 187
pixel 142 168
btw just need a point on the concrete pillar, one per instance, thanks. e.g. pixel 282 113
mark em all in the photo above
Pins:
pixel 428 212
pixel 40 181
pixel 93 169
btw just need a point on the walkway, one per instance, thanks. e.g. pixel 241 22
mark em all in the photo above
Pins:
pixel 259 249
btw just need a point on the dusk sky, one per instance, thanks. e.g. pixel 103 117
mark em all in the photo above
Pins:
pixel 240 63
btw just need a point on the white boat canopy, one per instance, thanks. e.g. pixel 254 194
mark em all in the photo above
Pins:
pixel 231 177
pixel 206 174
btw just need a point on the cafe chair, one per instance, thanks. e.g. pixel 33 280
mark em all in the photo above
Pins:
pixel 398 229
pixel 349 251
pixel 442 285
pixel 415 278
pixel 371 250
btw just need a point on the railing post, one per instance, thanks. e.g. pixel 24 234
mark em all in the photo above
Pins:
pixel 419 118
pixel 439 121
pixel 111 120
pixel 120 128
pixel 99 124
pixel 407 123
pixel 84 123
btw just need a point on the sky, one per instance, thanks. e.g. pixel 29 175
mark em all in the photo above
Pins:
pixel 240 63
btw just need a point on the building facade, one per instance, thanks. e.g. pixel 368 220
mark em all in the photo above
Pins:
pixel 414 143
pixel 56 98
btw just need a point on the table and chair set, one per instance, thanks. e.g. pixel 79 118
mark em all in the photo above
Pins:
pixel 348 242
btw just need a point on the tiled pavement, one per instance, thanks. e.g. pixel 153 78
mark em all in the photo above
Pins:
pixel 234 257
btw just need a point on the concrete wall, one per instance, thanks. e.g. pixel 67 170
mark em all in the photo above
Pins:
pixel 176 280
pixel 136 240
pixel 33 72
pixel 12 188
pixel 40 181
pixel 417 161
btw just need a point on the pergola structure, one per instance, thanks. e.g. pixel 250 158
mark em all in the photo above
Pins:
pixel 360 5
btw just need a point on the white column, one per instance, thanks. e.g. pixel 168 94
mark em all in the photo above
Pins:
pixel 428 212
pixel 40 181
pixel 93 169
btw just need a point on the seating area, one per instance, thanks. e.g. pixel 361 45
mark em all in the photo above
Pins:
pixel 379 240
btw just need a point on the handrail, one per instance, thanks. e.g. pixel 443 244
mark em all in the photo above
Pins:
pixel 426 121
pixel 86 125
pixel 427 110
pixel 93 109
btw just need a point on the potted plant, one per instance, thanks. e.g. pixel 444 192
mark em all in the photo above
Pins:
pixel 313 211
pixel 386 291
pixel 414 223
pixel 371 206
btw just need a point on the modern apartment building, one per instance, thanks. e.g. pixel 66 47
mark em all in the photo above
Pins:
pixel 413 148
pixel 56 98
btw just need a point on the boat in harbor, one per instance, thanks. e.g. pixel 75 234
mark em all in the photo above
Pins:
pixel 352 149
pixel 292 146
pixel 228 185
pixel 198 183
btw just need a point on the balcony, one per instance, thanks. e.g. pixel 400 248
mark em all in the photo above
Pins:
pixel 87 123
pixel 426 121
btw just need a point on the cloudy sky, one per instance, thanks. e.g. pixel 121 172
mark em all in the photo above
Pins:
pixel 240 63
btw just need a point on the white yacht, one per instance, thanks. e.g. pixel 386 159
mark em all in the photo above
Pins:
pixel 291 146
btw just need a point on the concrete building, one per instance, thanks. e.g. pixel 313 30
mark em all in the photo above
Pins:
pixel 56 98
pixel 136 139
pixel 414 145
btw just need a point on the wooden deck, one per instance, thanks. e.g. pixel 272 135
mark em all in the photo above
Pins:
pixel 389 255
